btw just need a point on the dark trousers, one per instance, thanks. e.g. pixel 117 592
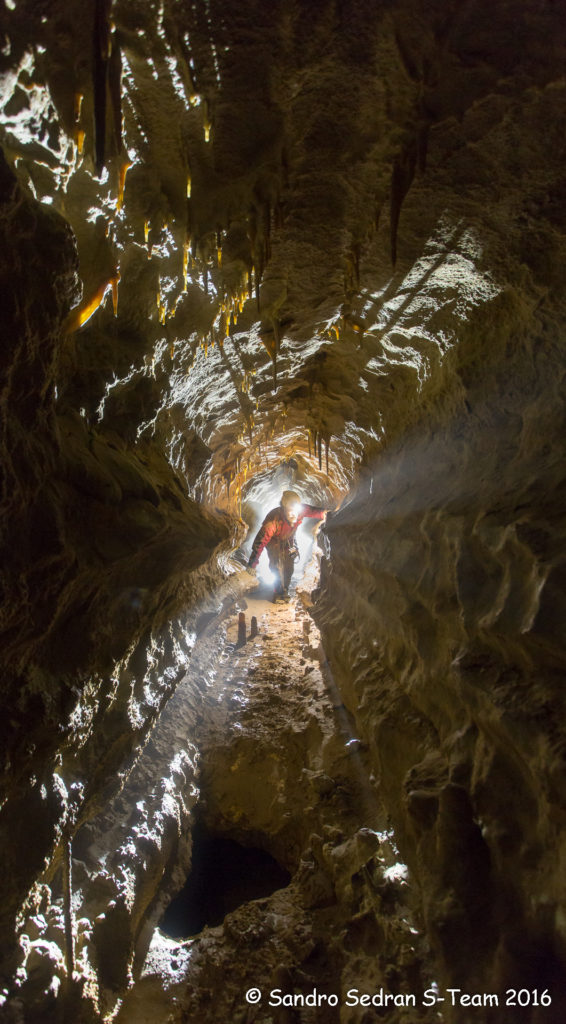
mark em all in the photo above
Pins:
pixel 282 558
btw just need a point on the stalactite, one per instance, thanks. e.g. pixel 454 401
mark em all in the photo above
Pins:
pixel 320 450
pixel 114 281
pixel 79 316
pixel 79 133
pixel 326 450
pixel 185 263
pixel 78 106
pixel 124 168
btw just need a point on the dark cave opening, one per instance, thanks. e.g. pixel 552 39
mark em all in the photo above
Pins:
pixel 224 875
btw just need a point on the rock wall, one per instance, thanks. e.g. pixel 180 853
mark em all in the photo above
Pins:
pixel 108 566
pixel 441 613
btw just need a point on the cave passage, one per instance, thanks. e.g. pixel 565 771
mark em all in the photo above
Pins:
pixel 224 875
pixel 245 248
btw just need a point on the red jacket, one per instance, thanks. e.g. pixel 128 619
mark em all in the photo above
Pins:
pixel 276 527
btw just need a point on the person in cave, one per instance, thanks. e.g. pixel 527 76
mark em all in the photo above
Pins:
pixel 277 534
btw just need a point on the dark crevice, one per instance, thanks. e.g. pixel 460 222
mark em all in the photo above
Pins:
pixel 224 875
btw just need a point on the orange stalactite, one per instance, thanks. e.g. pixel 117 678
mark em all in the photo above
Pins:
pixel 78 106
pixel 79 316
pixel 122 183
pixel 186 247
pixel 80 140
pixel 146 231
pixel 114 282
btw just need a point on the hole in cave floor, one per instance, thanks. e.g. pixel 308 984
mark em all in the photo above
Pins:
pixel 224 875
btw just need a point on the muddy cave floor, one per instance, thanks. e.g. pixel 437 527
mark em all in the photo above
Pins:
pixel 280 770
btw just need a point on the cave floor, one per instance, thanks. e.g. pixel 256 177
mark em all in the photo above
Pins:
pixel 280 769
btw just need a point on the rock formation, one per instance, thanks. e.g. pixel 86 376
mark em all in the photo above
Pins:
pixel 248 246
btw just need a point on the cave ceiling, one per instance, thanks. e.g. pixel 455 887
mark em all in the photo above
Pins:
pixel 285 213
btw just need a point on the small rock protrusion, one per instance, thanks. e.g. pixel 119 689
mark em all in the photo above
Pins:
pixel 241 629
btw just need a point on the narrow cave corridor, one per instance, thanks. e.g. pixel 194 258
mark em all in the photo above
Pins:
pixel 247 248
